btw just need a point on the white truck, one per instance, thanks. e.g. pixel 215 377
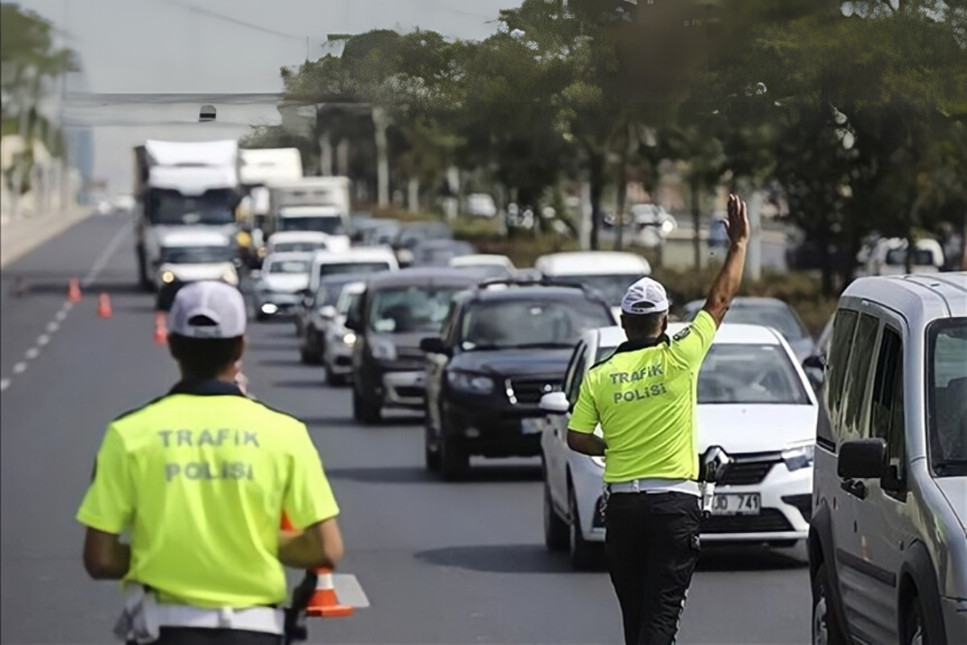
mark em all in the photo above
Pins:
pixel 179 184
pixel 259 169
pixel 311 204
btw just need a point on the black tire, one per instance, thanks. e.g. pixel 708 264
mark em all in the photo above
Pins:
pixel 430 457
pixel 914 629
pixel 143 280
pixel 582 554
pixel 826 627
pixel 556 537
pixel 306 357
pixel 333 379
pixel 364 411
pixel 454 459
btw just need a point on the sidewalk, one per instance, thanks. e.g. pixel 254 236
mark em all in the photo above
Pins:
pixel 19 237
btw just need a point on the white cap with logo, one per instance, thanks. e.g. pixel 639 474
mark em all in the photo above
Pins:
pixel 208 309
pixel 646 296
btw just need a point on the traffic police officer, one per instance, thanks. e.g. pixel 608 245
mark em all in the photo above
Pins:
pixel 644 398
pixel 200 478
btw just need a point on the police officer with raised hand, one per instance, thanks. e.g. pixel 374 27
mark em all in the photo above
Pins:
pixel 200 479
pixel 644 396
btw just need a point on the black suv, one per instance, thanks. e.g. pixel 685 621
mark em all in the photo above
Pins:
pixel 503 345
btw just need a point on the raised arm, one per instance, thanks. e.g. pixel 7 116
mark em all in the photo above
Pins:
pixel 729 279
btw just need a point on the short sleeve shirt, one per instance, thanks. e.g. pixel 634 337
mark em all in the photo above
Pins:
pixel 644 398
pixel 200 478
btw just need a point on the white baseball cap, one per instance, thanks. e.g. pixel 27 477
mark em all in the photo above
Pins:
pixel 646 296
pixel 208 309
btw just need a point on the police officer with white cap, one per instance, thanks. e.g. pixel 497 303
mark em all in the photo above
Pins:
pixel 643 397
pixel 200 479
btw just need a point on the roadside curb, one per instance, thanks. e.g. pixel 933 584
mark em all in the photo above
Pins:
pixel 19 237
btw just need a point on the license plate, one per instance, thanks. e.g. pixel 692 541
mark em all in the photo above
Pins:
pixel 736 504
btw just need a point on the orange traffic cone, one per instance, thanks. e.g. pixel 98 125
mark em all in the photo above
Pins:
pixel 74 291
pixel 160 329
pixel 104 306
pixel 324 602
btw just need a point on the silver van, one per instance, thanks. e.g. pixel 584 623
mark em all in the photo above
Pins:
pixel 888 535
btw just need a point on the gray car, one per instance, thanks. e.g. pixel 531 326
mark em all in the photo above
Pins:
pixel 888 534
pixel 770 312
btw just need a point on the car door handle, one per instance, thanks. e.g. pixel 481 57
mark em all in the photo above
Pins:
pixel 855 488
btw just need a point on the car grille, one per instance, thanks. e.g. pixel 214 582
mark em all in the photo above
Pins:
pixel 528 391
pixel 770 520
pixel 744 473
pixel 410 392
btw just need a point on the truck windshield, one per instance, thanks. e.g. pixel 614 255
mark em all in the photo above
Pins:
pixel 330 224
pixel 947 396
pixel 172 209
pixel 196 254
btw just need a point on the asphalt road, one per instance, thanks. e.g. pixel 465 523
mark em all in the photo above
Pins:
pixel 440 563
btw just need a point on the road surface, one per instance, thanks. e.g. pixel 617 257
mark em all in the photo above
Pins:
pixel 439 562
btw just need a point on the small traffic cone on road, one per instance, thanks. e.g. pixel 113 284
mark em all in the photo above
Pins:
pixel 74 291
pixel 160 329
pixel 324 602
pixel 104 306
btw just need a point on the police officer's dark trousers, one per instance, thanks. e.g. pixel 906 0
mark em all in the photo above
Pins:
pixel 197 636
pixel 652 547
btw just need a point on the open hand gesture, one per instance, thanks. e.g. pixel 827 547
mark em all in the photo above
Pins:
pixel 738 222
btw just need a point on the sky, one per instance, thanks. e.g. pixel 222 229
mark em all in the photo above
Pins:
pixel 229 46
pixel 215 47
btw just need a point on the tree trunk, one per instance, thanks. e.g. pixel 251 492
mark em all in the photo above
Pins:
pixel 622 201
pixel 596 162
pixel 696 188
pixel 825 262
pixel 413 195
pixel 325 154
pixel 381 123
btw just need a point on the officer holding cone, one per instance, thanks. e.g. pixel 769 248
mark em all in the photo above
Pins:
pixel 201 478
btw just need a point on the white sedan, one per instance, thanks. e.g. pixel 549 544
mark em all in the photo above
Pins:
pixel 753 400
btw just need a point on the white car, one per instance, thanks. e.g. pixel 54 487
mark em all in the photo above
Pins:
pixel 359 259
pixel 281 283
pixel 296 241
pixel 190 254
pixel 500 266
pixel 609 272
pixel 753 400
pixel 337 354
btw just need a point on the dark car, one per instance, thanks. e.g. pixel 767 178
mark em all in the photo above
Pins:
pixel 504 345
pixel 438 253
pixel 397 310
pixel 317 310
pixel 413 234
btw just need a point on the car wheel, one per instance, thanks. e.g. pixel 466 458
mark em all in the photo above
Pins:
pixel 430 456
pixel 582 554
pixel 825 627
pixel 305 356
pixel 454 459
pixel 556 536
pixel 913 629
pixel 366 411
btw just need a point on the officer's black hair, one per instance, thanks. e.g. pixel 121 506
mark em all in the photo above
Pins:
pixel 204 358
pixel 638 326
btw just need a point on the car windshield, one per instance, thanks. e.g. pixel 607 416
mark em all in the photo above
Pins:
pixel 297 247
pixel 748 374
pixel 289 266
pixel 333 268
pixel 947 397
pixel 612 287
pixel 196 254
pixel 898 257
pixel 533 322
pixel 410 237
pixel 410 309
pixel 331 224
pixel 777 316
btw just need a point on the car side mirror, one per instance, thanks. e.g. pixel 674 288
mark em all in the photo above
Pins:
pixel 862 459
pixel 434 345
pixel 555 403
pixel 815 362
pixel 327 311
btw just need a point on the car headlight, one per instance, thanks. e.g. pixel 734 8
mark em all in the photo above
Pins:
pixel 382 349
pixel 471 383
pixel 349 338
pixel 799 457
pixel 167 277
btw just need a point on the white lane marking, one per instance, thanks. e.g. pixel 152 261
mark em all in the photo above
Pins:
pixel 349 591
pixel 4 384
pixel 67 306
pixel 52 327
pixel 20 368
pixel 32 353
pixel 106 256
pixel 60 315
pixel 43 339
